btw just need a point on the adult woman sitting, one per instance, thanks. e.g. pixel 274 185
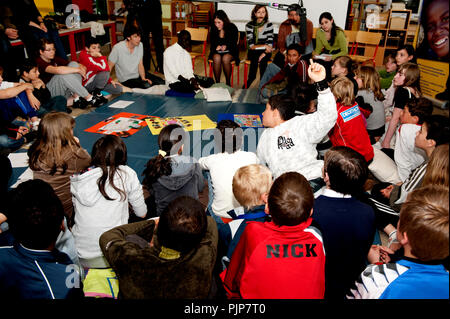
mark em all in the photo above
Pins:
pixel 330 41
pixel 259 33
pixel 224 47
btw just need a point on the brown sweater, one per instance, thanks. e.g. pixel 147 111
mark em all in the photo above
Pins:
pixel 143 274
pixel 76 162
pixel 286 29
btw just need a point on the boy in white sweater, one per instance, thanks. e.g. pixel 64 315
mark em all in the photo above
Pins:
pixel 288 144
pixel 407 156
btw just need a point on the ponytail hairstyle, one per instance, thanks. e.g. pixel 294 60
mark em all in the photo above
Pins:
pixel 170 141
pixel 370 80
pixel 54 139
pixel 108 153
pixel 334 28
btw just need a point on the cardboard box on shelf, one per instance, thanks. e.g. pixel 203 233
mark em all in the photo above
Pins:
pixel 398 6
pixel 398 23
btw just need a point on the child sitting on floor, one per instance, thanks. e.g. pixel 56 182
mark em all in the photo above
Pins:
pixel 283 258
pixel 224 164
pixel 350 127
pixel 29 73
pixel 97 71
pixel 407 156
pixel 170 174
pixel 101 196
pixel 288 142
pixel 423 232
pixel 251 185
pixel 347 225
pixel 387 74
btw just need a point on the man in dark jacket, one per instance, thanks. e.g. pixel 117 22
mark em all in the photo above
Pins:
pixel 174 261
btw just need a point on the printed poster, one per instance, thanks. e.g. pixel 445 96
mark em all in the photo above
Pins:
pixel 122 124
pixel 202 122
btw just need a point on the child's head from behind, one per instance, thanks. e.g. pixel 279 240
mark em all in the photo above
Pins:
pixel 29 70
pixel 423 223
pixel 408 74
pixel 55 136
pixel 342 66
pixel 416 111
pixel 171 139
pixel 345 170
pixel 251 185
pixel 369 79
pixel 390 63
pixel 437 167
pixel 343 91
pixel 305 96
pixel 35 214
pixel 435 131
pixel 182 224
pixel 108 153
pixel 231 136
pixel 290 200
pixel 93 45
pixel 279 108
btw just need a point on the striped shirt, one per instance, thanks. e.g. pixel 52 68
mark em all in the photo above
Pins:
pixel 265 36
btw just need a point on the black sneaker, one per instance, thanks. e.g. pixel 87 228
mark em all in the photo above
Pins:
pixel 80 104
pixel 98 101
pixel 30 136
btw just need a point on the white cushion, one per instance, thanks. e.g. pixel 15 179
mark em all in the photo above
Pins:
pixel 384 168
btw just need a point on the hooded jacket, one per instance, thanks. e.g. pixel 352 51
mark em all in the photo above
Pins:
pixel 94 214
pixel 186 180
pixel 144 274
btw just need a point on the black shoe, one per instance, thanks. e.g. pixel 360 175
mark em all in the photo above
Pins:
pixel 30 136
pixel 98 101
pixel 68 110
pixel 80 104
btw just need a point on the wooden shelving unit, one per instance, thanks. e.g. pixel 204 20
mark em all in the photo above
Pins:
pixel 181 15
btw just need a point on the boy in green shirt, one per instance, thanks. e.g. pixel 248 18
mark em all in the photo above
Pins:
pixel 387 75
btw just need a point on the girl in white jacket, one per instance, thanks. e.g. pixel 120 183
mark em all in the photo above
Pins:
pixel 101 195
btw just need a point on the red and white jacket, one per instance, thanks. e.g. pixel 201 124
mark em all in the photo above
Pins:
pixel 350 130
pixel 277 262
pixel 93 65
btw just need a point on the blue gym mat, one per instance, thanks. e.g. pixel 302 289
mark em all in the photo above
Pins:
pixel 143 144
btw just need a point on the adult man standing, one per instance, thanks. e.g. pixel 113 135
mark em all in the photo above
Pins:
pixel 146 14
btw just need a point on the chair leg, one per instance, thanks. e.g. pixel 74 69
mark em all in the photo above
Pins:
pixel 206 72
pixel 232 72
pixel 245 74
pixel 237 68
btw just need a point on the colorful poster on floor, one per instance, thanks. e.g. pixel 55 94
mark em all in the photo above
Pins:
pixel 188 123
pixel 433 49
pixel 122 124
pixel 244 120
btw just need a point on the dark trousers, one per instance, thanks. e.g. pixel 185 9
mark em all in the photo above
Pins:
pixel 253 56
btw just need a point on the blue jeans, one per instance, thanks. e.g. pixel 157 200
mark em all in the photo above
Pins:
pixel 12 144
pixel 271 70
pixel 16 106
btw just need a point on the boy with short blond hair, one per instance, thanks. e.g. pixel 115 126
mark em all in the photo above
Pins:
pixel 284 258
pixel 423 233
pixel 251 185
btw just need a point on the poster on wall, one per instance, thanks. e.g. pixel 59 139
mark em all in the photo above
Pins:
pixel 433 49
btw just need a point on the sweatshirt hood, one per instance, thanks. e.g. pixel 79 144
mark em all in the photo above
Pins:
pixel 183 169
pixel 84 186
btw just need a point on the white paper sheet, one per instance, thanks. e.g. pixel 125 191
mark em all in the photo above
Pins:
pixel 121 104
pixel 18 159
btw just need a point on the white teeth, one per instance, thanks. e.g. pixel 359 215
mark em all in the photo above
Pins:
pixel 440 41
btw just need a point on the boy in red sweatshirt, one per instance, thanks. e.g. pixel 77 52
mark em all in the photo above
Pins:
pixel 97 70
pixel 350 128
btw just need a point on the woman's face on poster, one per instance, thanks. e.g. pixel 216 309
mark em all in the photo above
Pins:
pixel 437 27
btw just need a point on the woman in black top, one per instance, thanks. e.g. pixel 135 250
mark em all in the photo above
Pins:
pixel 224 46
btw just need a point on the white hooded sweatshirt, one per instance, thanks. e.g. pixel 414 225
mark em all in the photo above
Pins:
pixel 94 214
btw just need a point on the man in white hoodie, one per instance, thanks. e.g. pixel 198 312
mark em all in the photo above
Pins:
pixel 288 144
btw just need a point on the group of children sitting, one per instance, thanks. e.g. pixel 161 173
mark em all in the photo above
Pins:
pixel 281 223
